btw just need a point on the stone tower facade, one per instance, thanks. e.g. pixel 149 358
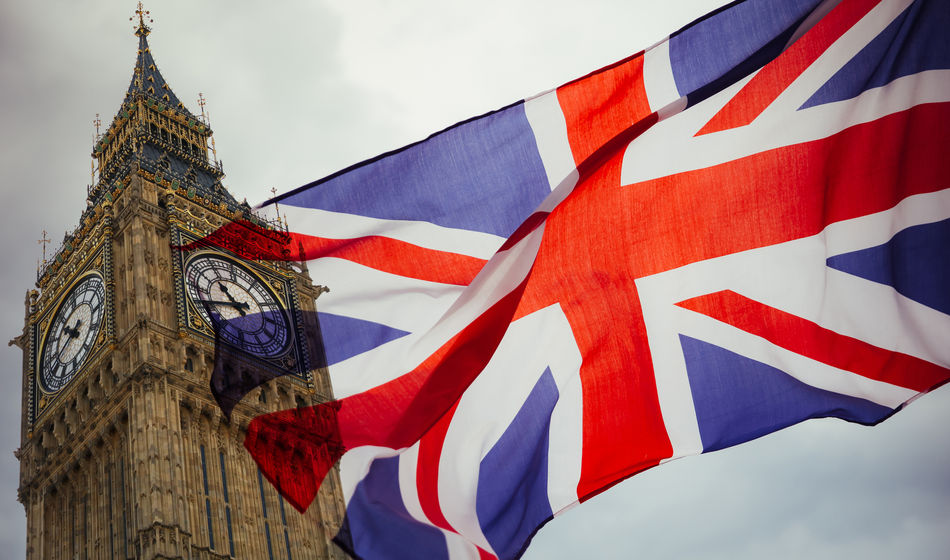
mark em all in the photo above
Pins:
pixel 124 452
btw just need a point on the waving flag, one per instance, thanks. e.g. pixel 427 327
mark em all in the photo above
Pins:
pixel 743 227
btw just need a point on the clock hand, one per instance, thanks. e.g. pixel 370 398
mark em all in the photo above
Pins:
pixel 230 297
pixel 232 303
pixel 73 332
pixel 69 341
pixel 225 290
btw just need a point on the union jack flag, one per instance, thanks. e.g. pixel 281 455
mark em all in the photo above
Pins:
pixel 745 226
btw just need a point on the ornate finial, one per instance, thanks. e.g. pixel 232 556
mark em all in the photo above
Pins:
pixel 142 30
pixel 97 122
pixel 273 191
pixel 43 241
pixel 207 120
pixel 201 103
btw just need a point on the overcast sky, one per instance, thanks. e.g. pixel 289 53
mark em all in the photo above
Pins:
pixel 297 93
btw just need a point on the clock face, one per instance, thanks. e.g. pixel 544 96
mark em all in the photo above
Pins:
pixel 72 333
pixel 243 311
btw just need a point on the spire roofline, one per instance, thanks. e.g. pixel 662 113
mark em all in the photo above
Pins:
pixel 147 81
pixel 154 135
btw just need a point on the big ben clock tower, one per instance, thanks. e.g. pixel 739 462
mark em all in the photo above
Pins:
pixel 124 451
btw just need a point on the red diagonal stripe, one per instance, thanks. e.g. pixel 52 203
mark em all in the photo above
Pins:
pixel 381 253
pixel 427 470
pixel 396 257
pixel 296 448
pixel 818 343
pixel 427 476
pixel 772 80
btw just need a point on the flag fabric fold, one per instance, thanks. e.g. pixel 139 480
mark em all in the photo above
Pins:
pixel 738 229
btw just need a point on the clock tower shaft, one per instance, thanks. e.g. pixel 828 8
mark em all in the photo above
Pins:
pixel 129 456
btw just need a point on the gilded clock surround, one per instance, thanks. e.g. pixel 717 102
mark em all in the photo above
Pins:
pixel 131 456
pixel 294 359
pixel 81 256
pixel 91 331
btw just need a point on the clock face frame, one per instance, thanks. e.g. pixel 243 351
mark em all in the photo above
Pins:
pixel 72 333
pixel 238 304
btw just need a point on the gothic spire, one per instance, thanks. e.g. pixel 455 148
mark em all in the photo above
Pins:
pixel 146 79
pixel 155 136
